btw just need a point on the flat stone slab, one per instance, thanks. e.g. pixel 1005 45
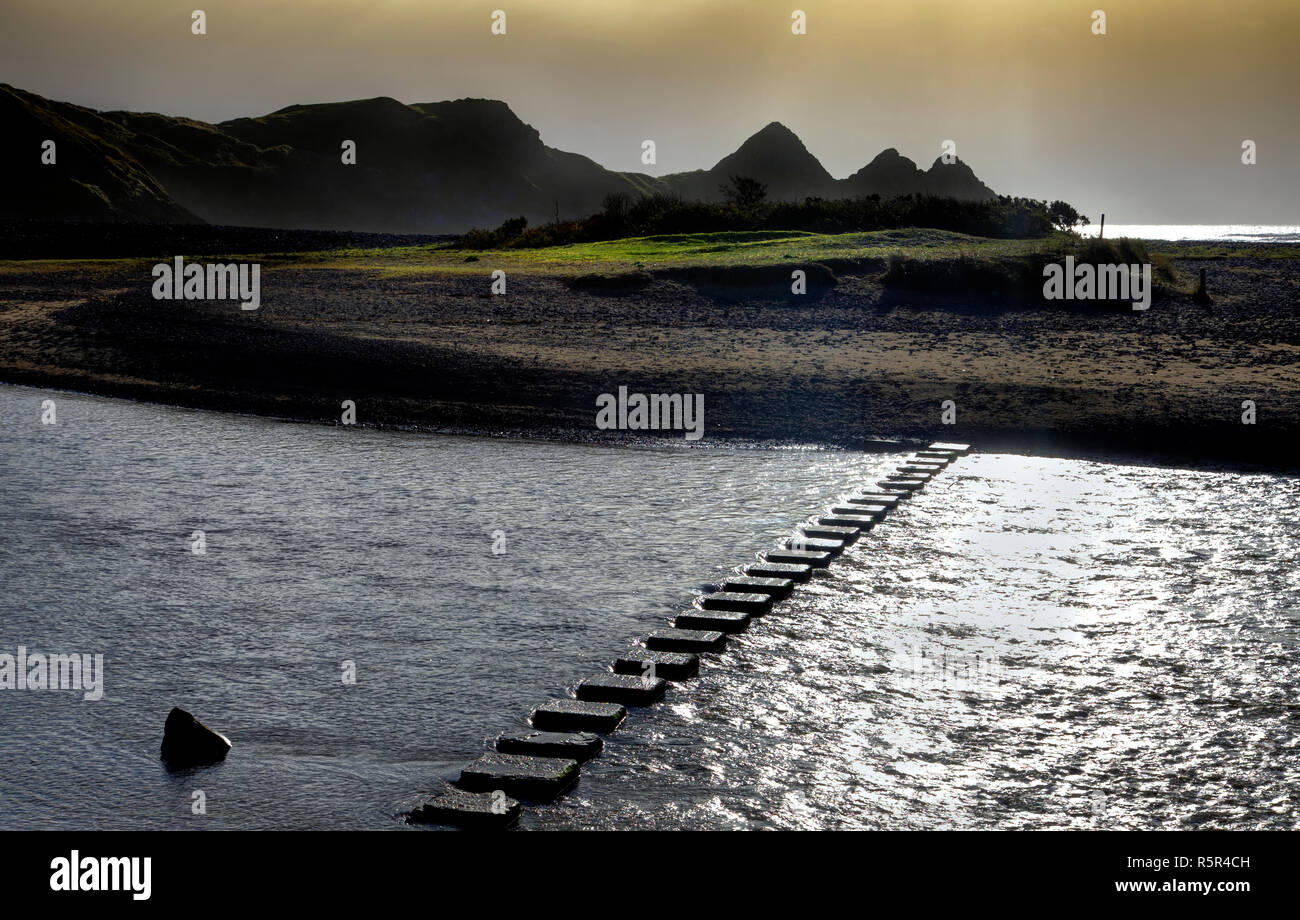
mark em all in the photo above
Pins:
pixel 856 521
pixel 845 533
pixel 775 588
pixel 946 447
pixel 859 515
pixel 920 471
pixel 628 689
pixel 908 477
pixel 577 715
pixel 928 456
pixel 818 560
pixel 904 485
pixel 794 571
pixel 753 604
pixel 573 745
pixel 834 547
pixel 668 665
pixel 873 506
pixel 868 497
pixel 724 621
pixel 459 808
pixel 541 779
pixel 686 640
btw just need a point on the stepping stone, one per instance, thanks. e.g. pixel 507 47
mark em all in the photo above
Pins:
pixel 752 604
pixel 856 521
pixel 818 560
pixel 904 485
pixel 834 547
pixel 794 571
pixel 686 640
pixel 776 588
pixel 926 456
pixel 573 745
pixel 888 499
pixel 945 447
pixel 456 807
pixel 845 533
pixel 723 621
pixel 869 514
pixel 575 715
pixel 668 665
pixel 919 471
pixel 541 779
pixel 902 476
pixel 628 689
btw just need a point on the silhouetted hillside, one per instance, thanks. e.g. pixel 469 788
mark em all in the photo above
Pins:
pixel 435 167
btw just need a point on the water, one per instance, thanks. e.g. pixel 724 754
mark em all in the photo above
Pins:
pixel 1239 233
pixel 1028 643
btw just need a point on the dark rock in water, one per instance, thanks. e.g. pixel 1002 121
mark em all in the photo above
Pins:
pixel 792 571
pixel 686 640
pixel 456 807
pixel 668 665
pixel 187 742
pixel 566 715
pixel 626 689
pixel 722 621
pixel 753 604
pixel 573 745
pixel 541 779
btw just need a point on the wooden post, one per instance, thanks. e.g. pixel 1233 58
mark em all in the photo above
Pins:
pixel 1102 232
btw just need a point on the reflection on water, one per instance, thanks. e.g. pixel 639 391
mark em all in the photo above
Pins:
pixel 1028 643
pixel 1237 233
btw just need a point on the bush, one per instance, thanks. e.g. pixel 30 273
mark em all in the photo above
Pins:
pixel 659 214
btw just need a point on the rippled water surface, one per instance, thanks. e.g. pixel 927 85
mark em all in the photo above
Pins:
pixel 1028 643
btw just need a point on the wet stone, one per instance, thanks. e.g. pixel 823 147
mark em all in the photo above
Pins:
pixel 818 560
pixel 577 715
pixel 845 533
pixel 534 742
pixel 796 572
pixel 945 447
pixel 776 588
pixel 903 476
pixel 686 640
pixel 858 513
pixel 187 742
pixel 628 689
pixel 752 604
pixel 723 621
pixel 458 808
pixel 903 485
pixel 834 547
pixel 847 520
pixel 668 665
pixel 540 779
pixel 869 497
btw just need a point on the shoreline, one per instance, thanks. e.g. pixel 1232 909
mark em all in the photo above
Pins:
pixel 414 337
pixel 1117 452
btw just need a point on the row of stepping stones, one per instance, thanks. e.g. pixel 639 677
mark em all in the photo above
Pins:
pixel 541 763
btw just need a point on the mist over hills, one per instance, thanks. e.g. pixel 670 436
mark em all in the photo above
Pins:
pixel 437 167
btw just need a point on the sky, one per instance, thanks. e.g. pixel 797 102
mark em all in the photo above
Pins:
pixel 1144 123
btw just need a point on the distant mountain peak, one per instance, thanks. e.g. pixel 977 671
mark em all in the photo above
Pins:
pixel 421 168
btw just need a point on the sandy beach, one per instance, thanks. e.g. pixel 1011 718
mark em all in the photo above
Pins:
pixel 423 342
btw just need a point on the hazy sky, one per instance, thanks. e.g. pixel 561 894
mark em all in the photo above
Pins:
pixel 1145 123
